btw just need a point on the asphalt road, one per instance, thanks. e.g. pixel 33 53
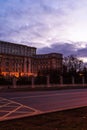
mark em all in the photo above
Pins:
pixel 19 104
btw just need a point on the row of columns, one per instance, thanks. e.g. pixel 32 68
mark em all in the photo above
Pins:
pixel 73 80
pixel 48 81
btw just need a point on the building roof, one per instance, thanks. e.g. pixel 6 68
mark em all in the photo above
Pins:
pixel 11 43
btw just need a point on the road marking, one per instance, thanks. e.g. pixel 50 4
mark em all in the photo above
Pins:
pixel 4 105
pixel 21 104
pixel 17 109
pixel 10 112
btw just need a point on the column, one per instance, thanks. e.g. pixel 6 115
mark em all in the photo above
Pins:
pixel 48 81
pixel 83 80
pixel 25 67
pixel 61 80
pixel 32 82
pixel 29 62
pixel 14 82
pixel 73 80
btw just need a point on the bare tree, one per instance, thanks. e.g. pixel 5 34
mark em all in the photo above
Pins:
pixel 72 63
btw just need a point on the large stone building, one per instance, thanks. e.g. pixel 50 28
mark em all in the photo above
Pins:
pixel 19 60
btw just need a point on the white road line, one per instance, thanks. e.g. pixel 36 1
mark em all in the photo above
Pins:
pixel 11 101
pixel 5 105
pixel 21 106
pixel 10 112
pixel 4 110
pixel 33 109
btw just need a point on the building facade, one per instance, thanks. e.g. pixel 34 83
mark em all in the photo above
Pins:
pixel 18 60
pixel 48 62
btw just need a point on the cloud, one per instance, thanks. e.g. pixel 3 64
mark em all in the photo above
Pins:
pixel 68 48
pixel 64 48
pixel 43 21
pixel 82 52
pixel 45 24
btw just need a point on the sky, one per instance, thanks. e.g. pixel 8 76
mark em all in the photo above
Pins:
pixel 50 25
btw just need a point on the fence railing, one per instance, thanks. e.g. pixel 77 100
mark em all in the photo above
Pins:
pixel 48 84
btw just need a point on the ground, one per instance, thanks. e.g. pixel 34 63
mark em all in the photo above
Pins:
pixel 73 119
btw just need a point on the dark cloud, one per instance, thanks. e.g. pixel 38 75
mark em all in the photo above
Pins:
pixel 82 52
pixel 67 49
pixel 64 48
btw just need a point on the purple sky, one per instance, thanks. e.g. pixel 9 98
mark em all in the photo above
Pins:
pixel 49 25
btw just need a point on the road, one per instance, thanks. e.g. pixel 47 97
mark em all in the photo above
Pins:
pixel 20 104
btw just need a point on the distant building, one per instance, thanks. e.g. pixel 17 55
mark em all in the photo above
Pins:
pixel 48 62
pixel 18 60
